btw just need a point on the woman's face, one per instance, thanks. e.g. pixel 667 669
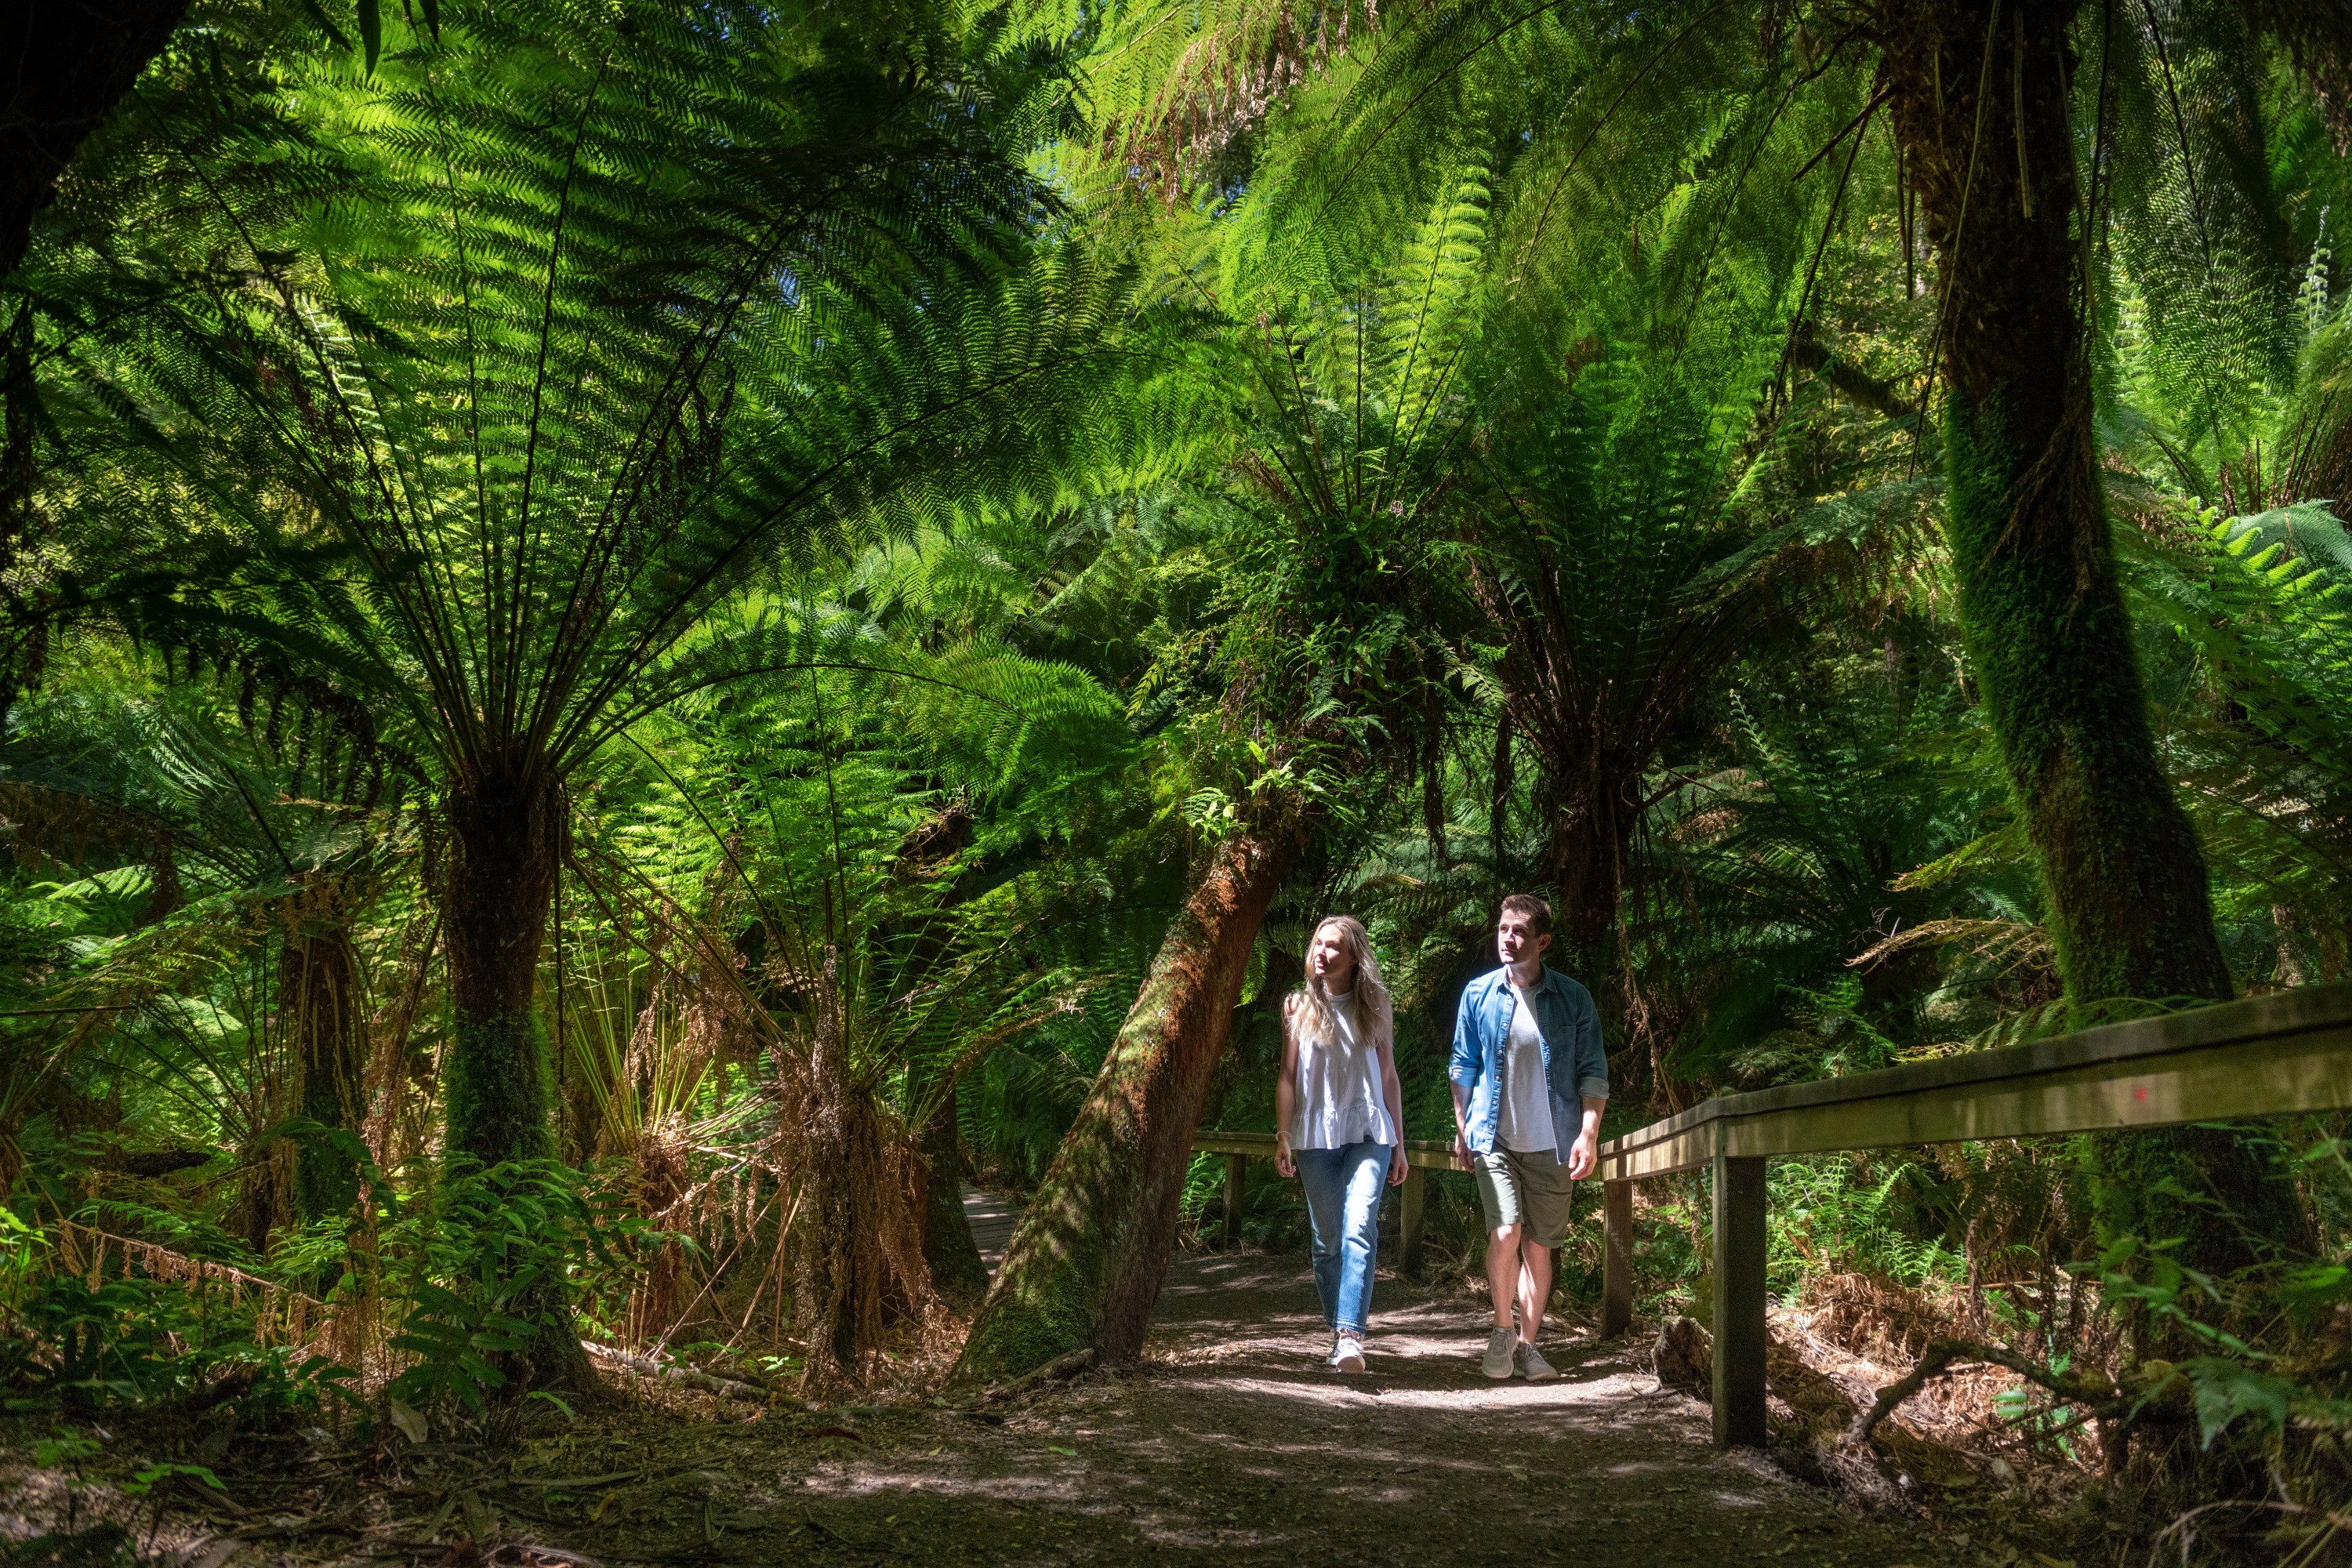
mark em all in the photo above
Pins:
pixel 1329 961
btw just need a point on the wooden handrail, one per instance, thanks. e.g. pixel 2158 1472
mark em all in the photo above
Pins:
pixel 2266 1056
pixel 1428 1153
pixel 1420 1155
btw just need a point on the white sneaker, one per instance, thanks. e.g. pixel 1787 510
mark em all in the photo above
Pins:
pixel 1331 1356
pixel 1529 1363
pixel 1498 1358
pixel 1349 1355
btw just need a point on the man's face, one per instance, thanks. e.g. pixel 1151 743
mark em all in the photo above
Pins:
pixel 1515 942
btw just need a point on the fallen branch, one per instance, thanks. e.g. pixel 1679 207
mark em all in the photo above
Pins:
pixel 291 1314
pixel 1060 1369
pixel 1942 1355
pixel 646 1366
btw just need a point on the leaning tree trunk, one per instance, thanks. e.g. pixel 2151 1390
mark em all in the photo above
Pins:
pixel 1087 1263
pixel 505 825
pixel 318 991
pixel 1979 105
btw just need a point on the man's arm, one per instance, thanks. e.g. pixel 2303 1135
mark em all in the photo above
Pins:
pixel 1585 1153
pixel 1591 1063
pixel 1462 1065
pixel 1461 1076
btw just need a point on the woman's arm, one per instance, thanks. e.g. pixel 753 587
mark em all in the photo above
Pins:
pixel 1393 1092
pixel 1286 1093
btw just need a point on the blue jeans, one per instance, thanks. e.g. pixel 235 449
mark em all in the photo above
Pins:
pixel 1344 1187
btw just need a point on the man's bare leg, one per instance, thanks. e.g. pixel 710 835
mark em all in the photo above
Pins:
pixel 1535 1287
pixel 1503 1267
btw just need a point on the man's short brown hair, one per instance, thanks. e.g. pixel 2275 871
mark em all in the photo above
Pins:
pixel 1538 913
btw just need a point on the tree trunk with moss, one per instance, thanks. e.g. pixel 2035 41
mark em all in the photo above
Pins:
pixel 1087 1264
pixel 1979 97
pixel 319 988
pixel 957 1269
pixel 505 823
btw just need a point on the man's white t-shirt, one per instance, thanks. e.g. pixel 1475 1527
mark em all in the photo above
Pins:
pixel 1524 1125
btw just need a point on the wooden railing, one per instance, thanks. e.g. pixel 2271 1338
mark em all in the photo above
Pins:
pixel 1420 1155
pixel 2267 1055
pixel 2264 1057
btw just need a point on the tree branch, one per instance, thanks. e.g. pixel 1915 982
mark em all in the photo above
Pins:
pixel 2104 1402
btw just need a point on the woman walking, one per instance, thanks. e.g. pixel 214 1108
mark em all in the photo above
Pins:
pixel 1339 1120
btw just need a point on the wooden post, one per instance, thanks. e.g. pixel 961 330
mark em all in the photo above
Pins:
pixel 1617 1259
pixel 1739 1302
pixel 1234 1165
pixel 1408 1224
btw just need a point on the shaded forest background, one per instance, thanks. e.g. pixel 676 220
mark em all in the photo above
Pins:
pixel 641 637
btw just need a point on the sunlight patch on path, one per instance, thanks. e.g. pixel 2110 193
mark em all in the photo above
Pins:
pixel 993 1219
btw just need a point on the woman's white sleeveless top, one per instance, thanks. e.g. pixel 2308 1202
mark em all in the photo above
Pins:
pixel 1340 1099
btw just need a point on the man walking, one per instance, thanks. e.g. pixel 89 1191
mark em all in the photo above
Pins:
pixel 1529 1081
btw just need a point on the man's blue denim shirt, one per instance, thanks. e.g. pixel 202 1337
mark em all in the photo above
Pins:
pixel 1575 1066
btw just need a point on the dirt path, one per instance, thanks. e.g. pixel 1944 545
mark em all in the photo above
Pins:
pixel 993 1218
pixel 1232 1447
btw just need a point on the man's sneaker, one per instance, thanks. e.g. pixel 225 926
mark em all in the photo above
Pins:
pixel 1350 1355
pixel 1529 1363
pixel 1497 1365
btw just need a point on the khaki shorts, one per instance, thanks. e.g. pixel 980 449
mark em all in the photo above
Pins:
pixel 1531 1189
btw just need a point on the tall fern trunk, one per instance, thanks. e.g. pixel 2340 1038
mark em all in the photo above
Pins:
pixel 2047 634
pixel 857 1248
pixel 505 826
pixel 318 992
pixel 1591 838
pixel 1087 1264
pixel 957 1269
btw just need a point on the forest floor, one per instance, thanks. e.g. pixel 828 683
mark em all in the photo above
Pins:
pixel 1229 1444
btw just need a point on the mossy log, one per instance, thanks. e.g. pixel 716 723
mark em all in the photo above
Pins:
pixel 1087 1264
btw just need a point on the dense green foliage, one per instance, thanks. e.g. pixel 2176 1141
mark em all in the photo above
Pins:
pixel 636 637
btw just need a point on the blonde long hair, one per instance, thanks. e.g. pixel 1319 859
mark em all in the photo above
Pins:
pixel 1311 1010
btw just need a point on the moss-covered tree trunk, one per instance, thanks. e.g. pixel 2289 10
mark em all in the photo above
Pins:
pixel 505 826
pixel 319 992
pixel 957 1269
pixel 1087 1263
pixel 1979 97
